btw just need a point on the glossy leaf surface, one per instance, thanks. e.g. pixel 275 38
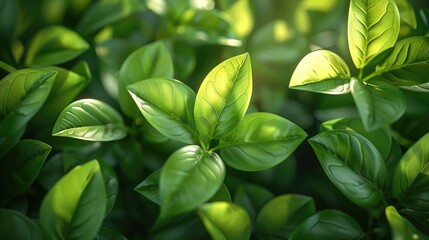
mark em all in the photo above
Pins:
pixel 149 61
pixel 353 165
pixel 411 177
pixel 282 214
pixel 75 207
pixel 54 45
pixel 322 71
pixel 190 177
pixel 15 225
pixel 90 120
pixel 168 105
pixel 400 227
pixel 21 167
pixel 373 26
pixel 260 141
pixel 379 103
pixel 149 188
pixel 341 226
pixel 408 62
pixel 223 98
pixel 22 94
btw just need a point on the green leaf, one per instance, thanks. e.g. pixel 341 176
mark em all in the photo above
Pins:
pixel 223 98
pixel 225 221
pixel 353 165
pixel 111 185
pixel 168 105
pixel 9 13
pixel 373 26
pixel 21 167
pixel 91 120
pixel 15 225
pixel 75 207
pixel 22 94
pixel 8 139
pixel 252 198
pixel 260 141
pixel 380 138
pixel 379 103
pixel 407 14
pixel 411 177
pixel 109 234
pixel 328 224
pixel 190 177
pixel 408 62
pixel 54 45
pixel 106 12
pixel 240 13
pixel 282 214
pixel 322 71
pixel 149 188
pixel 400 227
pixel 222 195
pixel 149 61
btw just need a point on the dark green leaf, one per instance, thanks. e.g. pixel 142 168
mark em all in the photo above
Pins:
pixel 106 12
pixel 373 26
pixel 322 71
pixel 149 188
pixel 15 225
pixel 111 185
pixel 8 139
pixel 353 165
pixel 252 198
pixel 411 177
pixel 75 207
pixel 223 98
pixel 379 103
pixel 407 14
pixel 9 13
pixel 400 227
pixel 22 94
pixel 90 120
pixel 224 220
pixel 168 105
pixel 149 61
pixel 51 171
pixel 260 141
pixel 328 224
pixel 380 138
pixel 184 59
pixel 109 234
pixel 190 177
pixel 54 45
pixel 282 214
pixel 408 62
pixel 222 195
pixel 21 167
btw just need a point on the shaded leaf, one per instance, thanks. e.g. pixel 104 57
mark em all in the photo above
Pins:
pixel 379 103
pixel 373 26
pixel 90 120
pixel 149 187
pixel 8 139
pixel 224 220
pixel 9 12
pixel 400 227
pixel 75 207
pixel 353 165
pixel 260 141
pixel 322 71
pixel 111 185
pixel 54 45
pixel 168 105
pixel 222 195
pixel 15 225
pixel 407 14
pixel 109 234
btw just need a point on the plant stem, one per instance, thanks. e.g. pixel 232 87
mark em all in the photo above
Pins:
pixel 8 68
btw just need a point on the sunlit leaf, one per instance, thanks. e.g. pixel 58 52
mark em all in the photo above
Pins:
pixel 241 14
pixel 15 225
pixel 54 45
pixel 168 105
pixel 75 207
pixel 408 62
pixel 226 221
pixel 353 165
pixel 322 71
pixel 22 94
pixel 379 103
pixel 328 224
pixel 410 184
pixel 149 61
pixel 190 177
pixel 223 98
pixel 373 26
pixel 21 167
pixel 101 14
pixel 90 120
pixel 260 141
pixel 407 14
pixel 149 188
pixel 9 13
pixel 400 227
pixel 282 214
